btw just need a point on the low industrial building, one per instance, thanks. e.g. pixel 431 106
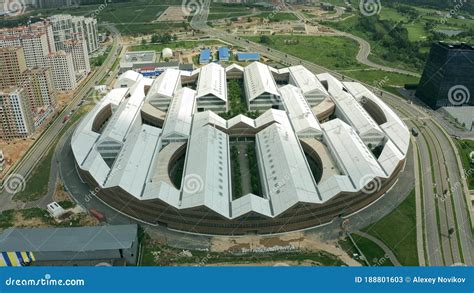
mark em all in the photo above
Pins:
pixel 114 244
pixel 248 57
pixel 223 54
pixel 205 56
pixel 161 147
pixel 136 58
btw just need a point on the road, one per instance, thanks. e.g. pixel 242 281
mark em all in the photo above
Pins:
pixel 438 160
pixel 364 46
pixel 42 145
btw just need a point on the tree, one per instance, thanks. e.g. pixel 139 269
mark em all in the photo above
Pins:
pixel 154 38
pixel 265 39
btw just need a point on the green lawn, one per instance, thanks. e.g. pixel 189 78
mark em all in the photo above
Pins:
pixel 398 231
pixel 336 53
pixel 221 15
pixel 331 52
pixel 279 16
pixel 465 147
pixel 175 45
pixel 382 78
pixel 37 184
pixel 374 254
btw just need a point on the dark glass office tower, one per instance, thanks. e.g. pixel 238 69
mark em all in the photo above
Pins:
pixel 448 78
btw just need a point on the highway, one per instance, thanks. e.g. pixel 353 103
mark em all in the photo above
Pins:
pixel 42 145
pixel 444 206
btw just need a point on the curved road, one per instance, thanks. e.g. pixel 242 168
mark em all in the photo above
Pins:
pixel 364 47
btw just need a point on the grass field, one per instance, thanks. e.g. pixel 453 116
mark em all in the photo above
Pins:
pixel 37 184
pixel 330 52
pixel 398 231
pixel 339 54
pixel 374 254
pixel 465 147
pixel 280 16
pixel 175 45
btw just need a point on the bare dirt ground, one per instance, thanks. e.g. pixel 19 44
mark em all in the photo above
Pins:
pixel 298 240
pixel 173 13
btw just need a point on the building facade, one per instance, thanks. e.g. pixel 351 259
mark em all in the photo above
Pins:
pixel 12 66
pixel 80 58
pixel 15 114
pixel 62 70
pixel 67 27
pixel 39 87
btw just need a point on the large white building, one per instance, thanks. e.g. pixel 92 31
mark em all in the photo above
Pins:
pixel 308 172
pixel 62 70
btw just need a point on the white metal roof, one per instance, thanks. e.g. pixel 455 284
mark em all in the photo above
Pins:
pixel 306 80
pixel 180 114
pixel 301 116
pixel 351 153
pixel 127 113
pixel 84 138
pixel 212 81
pixel 352 112
pixel 259 80
pixel 165 85
pixel 127 79
pixel 394 128
pixel 206 178
pixel 132 165
pixel 287 176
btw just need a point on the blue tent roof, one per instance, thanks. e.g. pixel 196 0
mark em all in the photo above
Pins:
pixel 205 56
pixel 223 53
pixel 248 56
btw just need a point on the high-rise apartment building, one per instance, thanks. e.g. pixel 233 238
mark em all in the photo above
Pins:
pixel 35 47
pixel 62 70
pixel 67 27
pixel 37 27
pixel 39 87
pixel 80 58
pixel 12 66
pixel 15 114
